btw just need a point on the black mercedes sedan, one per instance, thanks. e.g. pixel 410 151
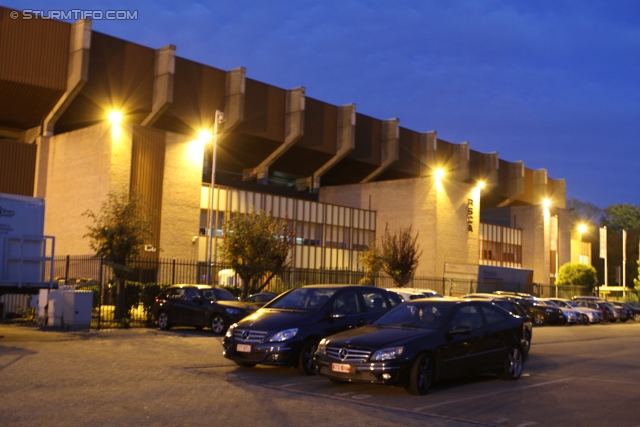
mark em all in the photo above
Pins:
pixel 199 306
pixel 287 330
pixel 423 341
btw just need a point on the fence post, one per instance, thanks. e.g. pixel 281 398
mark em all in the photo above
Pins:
pixel 173 271
pixel 100 294
pixel 66 270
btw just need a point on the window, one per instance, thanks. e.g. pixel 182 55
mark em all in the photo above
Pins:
pixel 467 317
pixel 176 293
pixel 374 301
pixel 347 303
pixel 493 316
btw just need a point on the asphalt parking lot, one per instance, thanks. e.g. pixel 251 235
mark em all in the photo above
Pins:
pixel 575 376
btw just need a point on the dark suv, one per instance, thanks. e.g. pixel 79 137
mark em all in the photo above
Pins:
pixel 287 330
pixel 199 306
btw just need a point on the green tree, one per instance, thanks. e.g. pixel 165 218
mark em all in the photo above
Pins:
pixel 118 234
pixel 576 274
pixel 584 212
pixel 257 247
pixel 400 254
pixel 372 262
pixel 622 217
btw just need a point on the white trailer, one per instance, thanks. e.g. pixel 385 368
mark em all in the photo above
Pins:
pixel 26 254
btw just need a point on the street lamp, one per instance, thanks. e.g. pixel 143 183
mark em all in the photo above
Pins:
pixel 219 118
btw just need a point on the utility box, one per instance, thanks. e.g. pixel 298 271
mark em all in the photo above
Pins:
pixel 77 306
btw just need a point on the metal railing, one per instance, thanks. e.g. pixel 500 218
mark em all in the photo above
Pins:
pixel 148 278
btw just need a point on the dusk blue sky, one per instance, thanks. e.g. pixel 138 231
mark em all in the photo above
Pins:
pixel 553 83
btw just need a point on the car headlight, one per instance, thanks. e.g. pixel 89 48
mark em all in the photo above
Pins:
pixel 387 354
pixel 287 334
pixel 322 346
pixel 233 311
pixel 229 333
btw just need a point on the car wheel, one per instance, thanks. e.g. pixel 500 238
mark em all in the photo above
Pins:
pixel 512 368
pixel 585 319
pixel 245 364
pixel 163 320
pixel 421 375
pixel 538 319
pixel 305 359
pixel 623 320
pixel 219 323
pixel 636 317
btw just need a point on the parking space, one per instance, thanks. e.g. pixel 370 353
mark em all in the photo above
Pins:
pixel 574 376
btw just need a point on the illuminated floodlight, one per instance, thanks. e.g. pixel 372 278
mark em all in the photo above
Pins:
pixel 582 228
pixel 115 117
pixel 546 203
pixel 481 184
pixel 439 173
pixel 204 136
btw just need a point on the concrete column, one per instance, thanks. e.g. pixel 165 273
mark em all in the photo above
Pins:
pixel 165 69
pixel 390 148
pixel 294 130
pixel 346 141
pixel 79 48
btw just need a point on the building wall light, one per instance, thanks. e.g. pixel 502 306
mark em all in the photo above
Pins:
pixel 115 117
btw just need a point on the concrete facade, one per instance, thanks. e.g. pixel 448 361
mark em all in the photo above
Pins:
pixel 445 214
pixel 65 78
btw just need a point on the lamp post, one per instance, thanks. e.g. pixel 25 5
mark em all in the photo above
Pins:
pixel 219 117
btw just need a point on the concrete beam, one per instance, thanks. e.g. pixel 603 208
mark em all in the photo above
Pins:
pixel 390 148
pixel 540 186
pixel 516 182
pixel 346 139
pixel 79 48
pixel 490 170
pixel 294 130
pixel 459 170
pixel 165 69
pixel 234 98
pixel 559 194
pixel 428 149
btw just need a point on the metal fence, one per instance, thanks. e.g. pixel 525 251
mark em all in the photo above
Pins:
pixel 148 278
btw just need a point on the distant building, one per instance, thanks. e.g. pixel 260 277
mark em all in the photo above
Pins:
pixel 340 175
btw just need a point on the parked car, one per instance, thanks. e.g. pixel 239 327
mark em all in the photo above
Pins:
pixel 423 341
pixel 514 308
pixel 545 313
pixel 616 312
pixel 287 330
pixel 571 315
pixel 408 294
pixel 592 315
pixel 200 306
pixel 260 299
pixel 633 310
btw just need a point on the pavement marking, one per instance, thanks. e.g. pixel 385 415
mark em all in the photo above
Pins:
pixel 490 394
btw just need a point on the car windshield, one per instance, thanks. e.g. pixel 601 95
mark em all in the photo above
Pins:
pixel 551 303
pixel 415 315
pixel 572 303
pixel 308 299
